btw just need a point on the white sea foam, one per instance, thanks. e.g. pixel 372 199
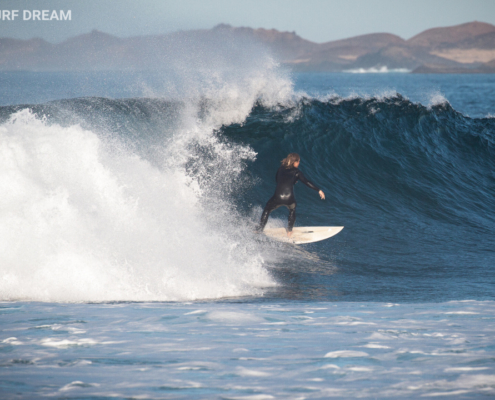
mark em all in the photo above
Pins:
pixel 346 353
pixel 360 369
pixel 377 70
pixel 464 369
pixel 83 219
pixel 250 372
pixel 252 397
pixel 196 312
pixel 59 327
pixel 77 385
pixel 330 366
pixel 13 341
pixel 230 317
pixel 240 350
pixel 436 98
pixel 375 346
pixel 65 343
pixel 461 313
pixel 81 224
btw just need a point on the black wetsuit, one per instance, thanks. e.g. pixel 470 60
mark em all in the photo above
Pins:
pixel 284 194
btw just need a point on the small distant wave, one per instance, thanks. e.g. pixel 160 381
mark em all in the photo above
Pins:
pixel 378 70
pixel 436 99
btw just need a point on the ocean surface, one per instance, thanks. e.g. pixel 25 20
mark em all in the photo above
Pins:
pixel 129 266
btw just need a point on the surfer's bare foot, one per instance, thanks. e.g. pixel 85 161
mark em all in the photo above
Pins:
pixel 289 234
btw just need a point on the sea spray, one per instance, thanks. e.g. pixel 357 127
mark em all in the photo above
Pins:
pixel 82 223
pixel 132 199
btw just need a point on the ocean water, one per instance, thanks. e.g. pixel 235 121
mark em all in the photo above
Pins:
pixel 248 350
pixel 128 263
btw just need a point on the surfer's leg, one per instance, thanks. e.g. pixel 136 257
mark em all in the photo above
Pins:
pixel 292 219
pixel 270 206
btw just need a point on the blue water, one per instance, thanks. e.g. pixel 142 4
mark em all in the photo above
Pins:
pixel 286 350
pixel 128 263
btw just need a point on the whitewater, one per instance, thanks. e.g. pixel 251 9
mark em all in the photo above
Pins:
pixel 86 223
pixel 129 265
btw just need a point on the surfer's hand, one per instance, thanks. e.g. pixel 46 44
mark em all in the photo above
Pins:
pixel 322 195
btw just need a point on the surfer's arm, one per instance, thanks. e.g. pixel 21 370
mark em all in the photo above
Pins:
pixel 309 184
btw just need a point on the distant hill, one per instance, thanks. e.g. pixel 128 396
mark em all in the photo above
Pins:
pixel 401 57
pixel 286 46
pixel 432 38
pixel 340 54
pixel 466 48
pixel 483 41
pixel 485 68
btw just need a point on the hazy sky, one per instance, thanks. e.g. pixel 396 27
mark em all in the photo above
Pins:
pixel 315 20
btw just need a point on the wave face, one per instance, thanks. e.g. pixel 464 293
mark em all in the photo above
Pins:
pixel 412 184
pixel 387 153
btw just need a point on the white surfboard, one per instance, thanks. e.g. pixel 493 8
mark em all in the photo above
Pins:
pixel 303 234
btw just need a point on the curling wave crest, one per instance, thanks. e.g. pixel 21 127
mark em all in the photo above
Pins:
pixel 130 199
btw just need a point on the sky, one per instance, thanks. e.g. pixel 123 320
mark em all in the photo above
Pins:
pixel 316 20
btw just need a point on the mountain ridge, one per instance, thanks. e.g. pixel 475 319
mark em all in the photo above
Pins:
pixel 464 48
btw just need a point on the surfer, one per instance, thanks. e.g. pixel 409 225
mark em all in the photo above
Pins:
pixel 287 176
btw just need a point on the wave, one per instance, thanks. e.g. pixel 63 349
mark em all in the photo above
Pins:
pixel 430 159
pixel 110 200
pixel 377 70
pixel 154 199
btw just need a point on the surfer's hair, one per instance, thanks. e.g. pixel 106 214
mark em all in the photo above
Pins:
pixel 290 160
